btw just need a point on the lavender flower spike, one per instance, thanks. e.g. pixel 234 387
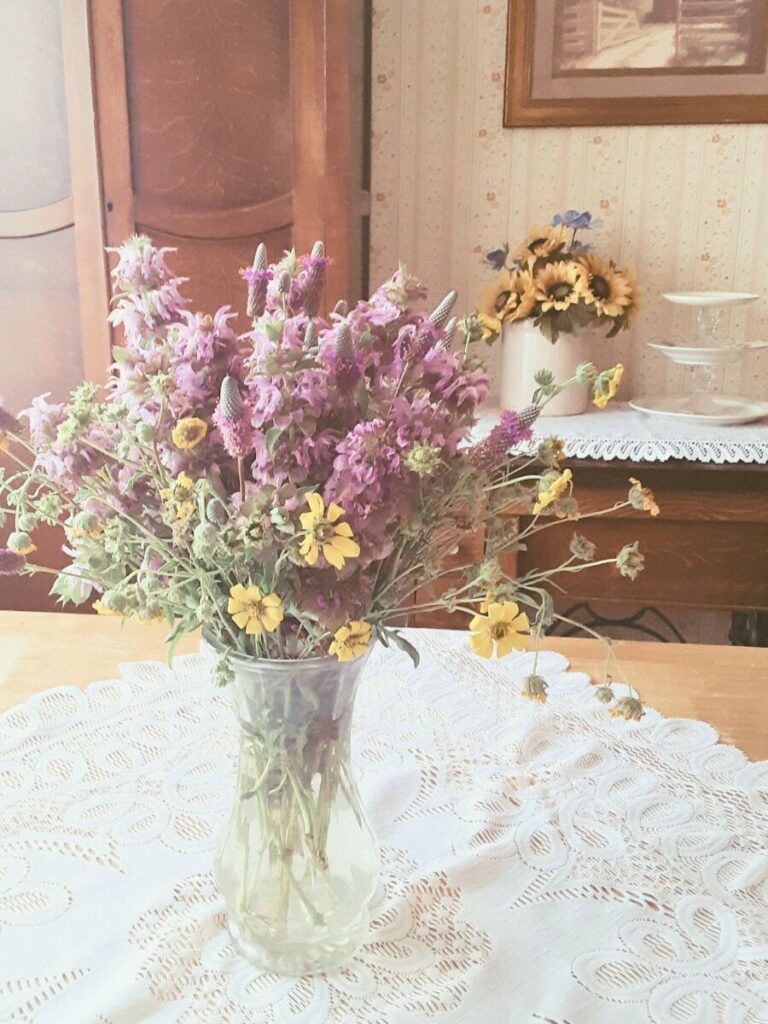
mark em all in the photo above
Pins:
pixel 315 265
pixel 513 428
pixel 260 257
pixel 450 331
pixel 258 277
pixel 439 316
pixel 230 402
pixel 11 563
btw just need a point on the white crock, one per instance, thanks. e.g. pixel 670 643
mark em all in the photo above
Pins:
pixel 525 351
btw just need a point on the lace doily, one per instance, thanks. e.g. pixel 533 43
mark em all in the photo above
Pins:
pixel 540 864
pixel 622 433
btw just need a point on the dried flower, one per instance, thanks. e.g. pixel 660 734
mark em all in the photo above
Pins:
pixel 606 385
pixel 628 708
pixel 502 630
pixel 551 487
pixel 630 561
pixel 604 695
pixel 324 532
pixel 642 498
pixel 253 612
pixel 11 562
pixel 423 459
pixel 21 543
pixel 550 452
pixel 85 524
pixel 189 432
pixel 582 548
pixel 535 689
pixel 351 641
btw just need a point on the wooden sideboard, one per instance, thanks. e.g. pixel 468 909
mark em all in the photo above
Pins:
pixel 707 549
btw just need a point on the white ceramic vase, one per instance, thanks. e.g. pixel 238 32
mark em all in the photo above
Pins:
pixel 525 351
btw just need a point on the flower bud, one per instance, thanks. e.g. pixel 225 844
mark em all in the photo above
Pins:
pixel 604 695
pixel 535 689
pixel 628 708
pixel 216 512
pixel 145 433
pixel 204 540
pixel 21 543
pixel 26 522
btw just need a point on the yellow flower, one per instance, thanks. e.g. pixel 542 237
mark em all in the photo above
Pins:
pixel 510 297
pixel 607 384
pixel 609 290
pixel 503 627
pixel 559 285
pixel 324 532
pixel 102 609
pixel 189 432
pixel 555 487
pixel 642 498
pixel 351 640
pixel 541 241
pixel 180 496
pixel 253 612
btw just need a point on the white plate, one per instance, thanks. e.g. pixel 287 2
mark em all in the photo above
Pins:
pixel 689 356
pixel 710 298
pixel 730 411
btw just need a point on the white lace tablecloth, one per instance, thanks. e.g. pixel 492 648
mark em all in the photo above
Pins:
pixel 619 432
pixel 540 864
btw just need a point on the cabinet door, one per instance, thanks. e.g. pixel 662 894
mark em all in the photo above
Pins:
pixel 230 123
pixel 53 284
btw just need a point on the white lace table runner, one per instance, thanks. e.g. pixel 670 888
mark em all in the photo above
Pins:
pixel 540 864
pixel 619 432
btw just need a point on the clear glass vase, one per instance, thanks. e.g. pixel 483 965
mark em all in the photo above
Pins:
pixel 298 863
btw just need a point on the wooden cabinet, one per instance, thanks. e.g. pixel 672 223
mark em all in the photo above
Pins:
pixel 707 549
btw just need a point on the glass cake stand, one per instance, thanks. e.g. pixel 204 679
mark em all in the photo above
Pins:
pixel 706 358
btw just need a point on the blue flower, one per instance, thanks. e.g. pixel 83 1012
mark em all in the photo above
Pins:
pixel 574 219
pixel 498 257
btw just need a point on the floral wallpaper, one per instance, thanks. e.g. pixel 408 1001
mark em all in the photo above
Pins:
pixel 686 206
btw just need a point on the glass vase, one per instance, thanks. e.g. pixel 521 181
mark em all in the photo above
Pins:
pixel 298 863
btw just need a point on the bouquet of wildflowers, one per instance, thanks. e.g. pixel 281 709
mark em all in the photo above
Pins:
pixel 295 489
pixel 559 281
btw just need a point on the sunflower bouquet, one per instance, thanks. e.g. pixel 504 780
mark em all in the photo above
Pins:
pixel 559 281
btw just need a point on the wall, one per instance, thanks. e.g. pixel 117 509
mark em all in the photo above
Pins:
pixel 685 205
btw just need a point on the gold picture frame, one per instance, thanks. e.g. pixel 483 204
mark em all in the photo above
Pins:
pixel 636 62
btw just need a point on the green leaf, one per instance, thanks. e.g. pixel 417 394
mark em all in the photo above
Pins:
pixel 405 645
pixel 71 589
pixel 119 354
pixel 273 435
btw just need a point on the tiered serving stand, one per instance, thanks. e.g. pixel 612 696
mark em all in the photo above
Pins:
pixel 707 359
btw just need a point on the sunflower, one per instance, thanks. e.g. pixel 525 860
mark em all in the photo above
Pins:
pixel 189 432
pixel 350 641
pixel 503 628
pixel 253 612
pixel 323 532
pixel 559 285
pixel 541 241
pixel 609 290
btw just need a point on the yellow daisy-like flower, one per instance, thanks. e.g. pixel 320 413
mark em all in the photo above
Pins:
pixel 541 241
pixel 324 533
pixel 554 488
pixel 180 496
pixel 642 498
pixel 189 432
pixel 254 612
pixel 502 629
pixel 351 640
pixel 559 285
pixel 102 609
pixel 606 386
pixel 606 288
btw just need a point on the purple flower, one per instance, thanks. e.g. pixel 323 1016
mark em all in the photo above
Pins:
pixel 512 429
pixel 257 280
pixel 11 564
pixel 497 258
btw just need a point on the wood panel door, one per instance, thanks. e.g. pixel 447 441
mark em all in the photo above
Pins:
pixel 231 123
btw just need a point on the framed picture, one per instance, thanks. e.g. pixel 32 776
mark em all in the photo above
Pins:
pixel 589 62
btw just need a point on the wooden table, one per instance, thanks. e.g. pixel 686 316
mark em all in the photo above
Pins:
pixel 726 686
